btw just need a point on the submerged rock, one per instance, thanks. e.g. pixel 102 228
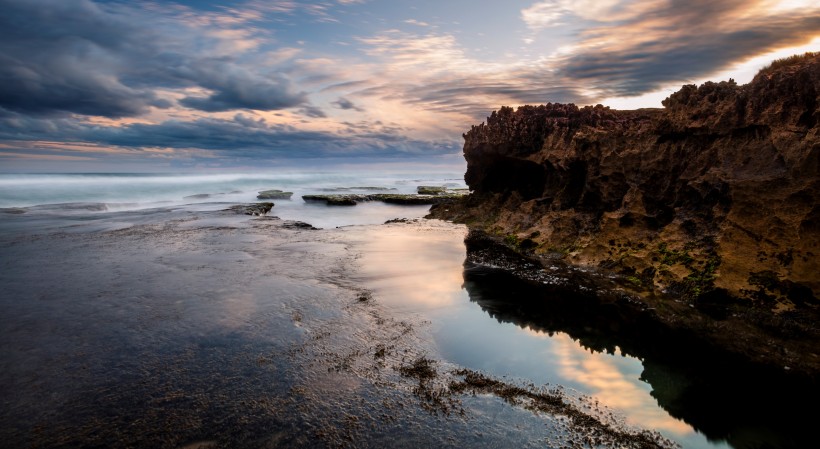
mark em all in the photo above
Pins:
pixel 391 198
pixel 274 195
pixel 198 196
pixel 360 188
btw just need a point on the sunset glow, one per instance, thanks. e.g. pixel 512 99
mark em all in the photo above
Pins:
pixel 247 80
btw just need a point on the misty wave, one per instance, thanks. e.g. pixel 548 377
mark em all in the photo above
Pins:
pixel 98 207
pixel 114 192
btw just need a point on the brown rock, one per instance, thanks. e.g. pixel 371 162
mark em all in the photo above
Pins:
pixel 717 192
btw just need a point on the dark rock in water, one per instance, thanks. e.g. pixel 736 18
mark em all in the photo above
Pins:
pixel 431 190
pixel 257 209
pixel 365 188
pixel 299 225
pixel 688 203
pixel 274 195
pixel 336 199
pixel 95 207
pixel 198 196
pixel 407 199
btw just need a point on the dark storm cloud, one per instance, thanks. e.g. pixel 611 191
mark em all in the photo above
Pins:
pixel 56 56
pixel 455 95
pixel 680 41
pixel 244 136
pixel 344 103
pixel 237 88
pixel 313 112
pixel 76 56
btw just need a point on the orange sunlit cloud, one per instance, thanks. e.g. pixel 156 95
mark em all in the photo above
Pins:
pixel 430 278
pixel 598 373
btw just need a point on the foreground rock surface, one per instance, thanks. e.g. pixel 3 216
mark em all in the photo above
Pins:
pixel 710 203
pixel 257 209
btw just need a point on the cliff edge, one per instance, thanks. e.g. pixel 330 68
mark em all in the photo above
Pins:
pixel 711 202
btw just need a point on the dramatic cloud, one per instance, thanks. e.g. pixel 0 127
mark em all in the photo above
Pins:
pixel 241 137
pixel 434 72
pixel 288 78
pixel 629 48
pixel 75 56
pixel 552 13
pixel 63 57
pixel 236 88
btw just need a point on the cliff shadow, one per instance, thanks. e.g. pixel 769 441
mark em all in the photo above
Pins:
pixel 717 394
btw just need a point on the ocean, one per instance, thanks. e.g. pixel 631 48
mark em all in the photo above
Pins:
pixel 136 311
pixel 62 196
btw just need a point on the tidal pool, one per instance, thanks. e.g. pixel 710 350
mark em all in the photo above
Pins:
pixel 485 319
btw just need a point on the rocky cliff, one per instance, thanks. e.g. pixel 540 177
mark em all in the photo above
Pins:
pixel 712 201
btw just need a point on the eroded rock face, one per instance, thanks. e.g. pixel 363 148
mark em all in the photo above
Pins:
pixel 717 192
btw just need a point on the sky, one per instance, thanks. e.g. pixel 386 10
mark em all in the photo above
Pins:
pixel 113 85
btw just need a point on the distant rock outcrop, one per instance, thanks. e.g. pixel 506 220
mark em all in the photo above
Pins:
pixel 713 201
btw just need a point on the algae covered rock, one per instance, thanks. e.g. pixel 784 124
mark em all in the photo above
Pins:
pixel 274 195
pixel 431 190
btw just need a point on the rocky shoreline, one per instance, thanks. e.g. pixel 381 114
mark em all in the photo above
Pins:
pixel 703 214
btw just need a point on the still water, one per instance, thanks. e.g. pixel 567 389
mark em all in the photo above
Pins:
pixel 164 325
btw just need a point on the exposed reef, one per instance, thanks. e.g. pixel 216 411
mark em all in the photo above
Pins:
pixel 706 210
pixel 426 195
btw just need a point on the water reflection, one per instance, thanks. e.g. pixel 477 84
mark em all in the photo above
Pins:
pixel 414 268
pixel 546 334
pixel 722 399
pixel 614 385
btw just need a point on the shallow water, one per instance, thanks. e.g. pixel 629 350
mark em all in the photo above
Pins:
pixel 167 327
pixel 485 319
